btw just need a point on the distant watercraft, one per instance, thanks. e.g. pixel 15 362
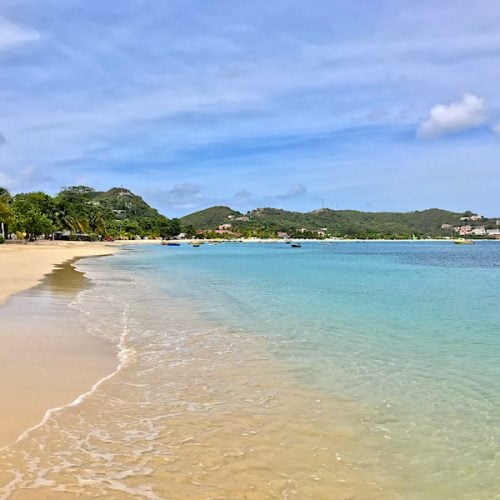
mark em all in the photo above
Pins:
pixel 171 244
pixel 195 245
pixel 296 245
pixel 464 242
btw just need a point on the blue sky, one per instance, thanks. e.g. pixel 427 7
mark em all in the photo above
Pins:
pixel 370 105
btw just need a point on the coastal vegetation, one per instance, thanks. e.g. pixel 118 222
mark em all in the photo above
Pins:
pixel 272 222
pixel 81 212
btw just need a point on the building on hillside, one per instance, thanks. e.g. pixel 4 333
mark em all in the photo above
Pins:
pixel 473 217
pixel 446 226
pixel 225 227
pixel 493 232
pixel 283 236
pixel 478 231
pixel 463 230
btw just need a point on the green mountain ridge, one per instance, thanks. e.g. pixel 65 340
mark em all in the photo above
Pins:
pixel 327 222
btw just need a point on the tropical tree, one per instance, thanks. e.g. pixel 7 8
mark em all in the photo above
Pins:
pixel 97 220
pixel 6 212
pixel 65 217
pixel 34 223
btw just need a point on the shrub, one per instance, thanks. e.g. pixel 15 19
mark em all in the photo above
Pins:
pixel 2 240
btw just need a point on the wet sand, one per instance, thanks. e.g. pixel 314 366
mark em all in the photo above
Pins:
pixel 23 266
pixel 47 359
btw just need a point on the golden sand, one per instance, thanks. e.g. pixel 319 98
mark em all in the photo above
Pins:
pixel 45 362
pixel 24 265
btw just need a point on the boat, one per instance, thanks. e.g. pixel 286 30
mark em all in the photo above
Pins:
pixel 464 242
pixel 296 245
pixel 195 245
pixel 172 244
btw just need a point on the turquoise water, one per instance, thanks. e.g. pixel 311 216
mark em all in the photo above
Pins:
pixel 346 370
pixel 410 332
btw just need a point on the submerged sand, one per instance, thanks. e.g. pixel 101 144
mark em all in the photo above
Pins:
pixel 191 415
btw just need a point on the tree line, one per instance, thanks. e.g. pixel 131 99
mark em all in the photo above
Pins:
pixel 80 212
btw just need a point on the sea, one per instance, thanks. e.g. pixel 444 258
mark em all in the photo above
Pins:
pixel 345 370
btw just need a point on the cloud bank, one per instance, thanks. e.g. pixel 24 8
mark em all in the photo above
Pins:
pixel 454 117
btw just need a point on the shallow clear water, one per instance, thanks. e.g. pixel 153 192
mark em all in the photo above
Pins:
pixel 256 370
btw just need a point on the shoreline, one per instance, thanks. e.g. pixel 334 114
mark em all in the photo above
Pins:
pixel 25 266
pixel 49 361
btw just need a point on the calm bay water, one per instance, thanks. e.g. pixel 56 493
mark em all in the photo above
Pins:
pixel 258 370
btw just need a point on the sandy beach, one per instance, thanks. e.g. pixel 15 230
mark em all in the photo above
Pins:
pixel 23 266
pixel 46 357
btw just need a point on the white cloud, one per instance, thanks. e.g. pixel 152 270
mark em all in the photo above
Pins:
pixel 496 128
pixel 12 34
pixel 453 117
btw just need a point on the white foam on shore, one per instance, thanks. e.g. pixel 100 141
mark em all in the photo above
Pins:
pixel 124 355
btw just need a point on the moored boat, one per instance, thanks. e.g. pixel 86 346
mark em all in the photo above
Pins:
pixel 464 242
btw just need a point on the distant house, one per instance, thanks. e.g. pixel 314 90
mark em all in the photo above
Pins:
pixel 446 226
pixel 473 217
pixel 244 218
pixel 225 227
pixel 493 232
pixel 283 236
pixel 463 230
pixel 478 231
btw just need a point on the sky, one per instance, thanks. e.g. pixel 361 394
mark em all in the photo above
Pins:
pixel 368 104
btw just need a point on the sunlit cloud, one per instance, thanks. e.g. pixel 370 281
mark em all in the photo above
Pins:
pixel 454 117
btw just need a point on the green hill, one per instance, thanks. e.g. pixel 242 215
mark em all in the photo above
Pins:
pixel 210 218
pixel 351 223
pixel 124 204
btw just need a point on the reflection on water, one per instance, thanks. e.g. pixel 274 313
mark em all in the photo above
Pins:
pixel 65 279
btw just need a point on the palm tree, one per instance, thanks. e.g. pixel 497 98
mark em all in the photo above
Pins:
pixel 64 219
pixel 97 221
pixel 6 212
